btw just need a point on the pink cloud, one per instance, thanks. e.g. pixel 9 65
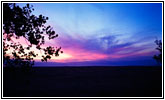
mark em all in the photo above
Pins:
pixel 77 51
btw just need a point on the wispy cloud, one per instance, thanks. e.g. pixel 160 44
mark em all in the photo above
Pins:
pixel 104 47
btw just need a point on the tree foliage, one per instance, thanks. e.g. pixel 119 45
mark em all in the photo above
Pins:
pixel 158 57
pixel 20 22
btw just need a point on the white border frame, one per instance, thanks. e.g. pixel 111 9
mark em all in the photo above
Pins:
pixel 85 1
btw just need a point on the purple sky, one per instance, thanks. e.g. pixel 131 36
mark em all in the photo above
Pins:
pixel 106 34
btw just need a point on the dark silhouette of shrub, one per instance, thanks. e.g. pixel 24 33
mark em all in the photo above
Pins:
pixel 158 57
pixel 20 22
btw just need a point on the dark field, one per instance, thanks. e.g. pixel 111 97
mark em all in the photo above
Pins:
pixel 83 82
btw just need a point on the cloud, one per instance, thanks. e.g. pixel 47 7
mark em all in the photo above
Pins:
pixel 100 47
pixel 104 47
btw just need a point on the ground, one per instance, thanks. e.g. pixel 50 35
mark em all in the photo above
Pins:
pixel 84 82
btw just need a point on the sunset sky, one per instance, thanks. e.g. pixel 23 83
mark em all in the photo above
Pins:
pixel 107 34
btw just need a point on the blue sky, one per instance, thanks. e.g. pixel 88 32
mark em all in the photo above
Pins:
pixel 104 32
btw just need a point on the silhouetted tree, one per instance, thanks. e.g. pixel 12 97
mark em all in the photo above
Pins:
pixel 158 57
pixel 20 22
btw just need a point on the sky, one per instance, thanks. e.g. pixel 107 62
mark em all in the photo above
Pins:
pixel 103 34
